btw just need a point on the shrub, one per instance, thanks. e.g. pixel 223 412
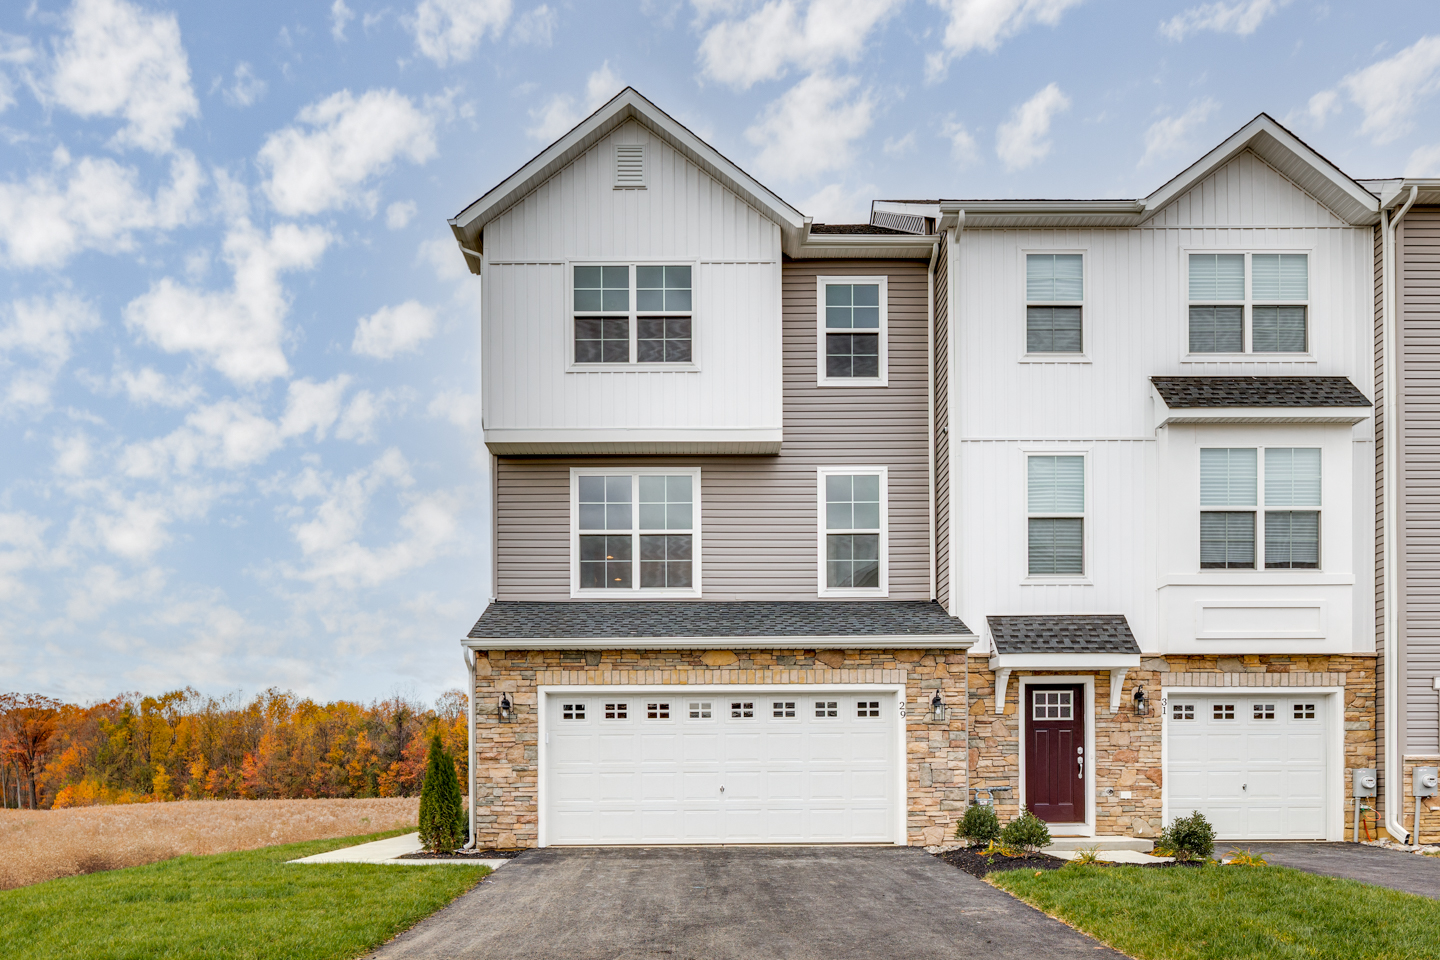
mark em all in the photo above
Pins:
pixel 442 817
pixel 1248 859
pixel 1026 833
pixel 1189 838
pixel 979 825
pixel 1086 856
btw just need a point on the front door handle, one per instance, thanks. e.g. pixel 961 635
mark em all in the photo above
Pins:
pixel 1080 759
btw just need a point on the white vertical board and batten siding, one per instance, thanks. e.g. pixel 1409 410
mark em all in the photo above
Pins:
pixel 1135 327
pixel 759 517
pixel 682 215
pixel 1418 303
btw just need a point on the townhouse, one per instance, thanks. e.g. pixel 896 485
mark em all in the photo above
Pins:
pixel 814 533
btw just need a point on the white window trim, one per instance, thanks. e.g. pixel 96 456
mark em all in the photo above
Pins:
pixel 1084 303
pixel 637 592
pixel 825 381
pixel 1260 508
pixel 634 313
pixel 1087 527
pixel 1247 355
pixel 822 588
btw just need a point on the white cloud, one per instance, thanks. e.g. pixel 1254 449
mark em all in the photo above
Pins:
pixel 461 409
pixel 392 330
pixel 73 454
pixel 785 33
pixel 448 30
pixel 1022 140
pixel 120 60
pixel 899 146
pixel 330 541
pixel 963 149
pixel 16 53
pixel 339 16
pixel 311 406
pixel 246 89
pixel 22 548
pixel 811 128
pixel 1424 162
pixel 102 587
pixel 1321 106
pixel 339 144
pixel 41 331
pixel 535 26
pixel 364 409
pixel 238 331
pixel 444 257
pixel 399 214
pixel 1390 91
pixel 149 386
pixel 1240 17
pixel 837 203
pixel 561 112
pixel 985 24
pixel 1170 135
pixel 90 204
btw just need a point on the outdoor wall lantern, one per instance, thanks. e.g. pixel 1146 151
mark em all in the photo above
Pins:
pixel 1142 702
pixel 507 709
pixel 937 708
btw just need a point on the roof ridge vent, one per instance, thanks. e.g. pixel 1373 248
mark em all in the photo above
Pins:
pixel 629 166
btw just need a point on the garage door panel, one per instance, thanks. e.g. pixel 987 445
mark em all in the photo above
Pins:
pixel 789 774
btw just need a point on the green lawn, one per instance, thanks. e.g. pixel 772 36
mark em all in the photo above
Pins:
pixel 230 905
pixel 1232 913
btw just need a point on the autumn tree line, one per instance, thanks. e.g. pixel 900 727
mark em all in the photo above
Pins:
pixel 185 745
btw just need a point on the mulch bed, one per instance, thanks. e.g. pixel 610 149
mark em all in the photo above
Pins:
pixel 463 855
pixel 978 864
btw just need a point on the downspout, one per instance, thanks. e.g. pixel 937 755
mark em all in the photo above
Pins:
pixel 1394 815
pixel 930 411
pixel 470 740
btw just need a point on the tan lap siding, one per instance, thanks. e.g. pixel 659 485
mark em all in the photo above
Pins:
pixel 1418 301
pixel 759 515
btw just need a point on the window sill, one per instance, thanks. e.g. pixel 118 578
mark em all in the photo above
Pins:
pixel 841 594
pixel 1249 358
pixel 1083 581
pixel 854 382
pixel 1246 578
pixel 1055 358
pixel 633 368
pixel 642 594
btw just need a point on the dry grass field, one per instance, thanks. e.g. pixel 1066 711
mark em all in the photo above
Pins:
pixel 44 844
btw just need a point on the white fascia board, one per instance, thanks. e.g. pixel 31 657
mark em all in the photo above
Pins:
pixel 542 440
pixel 1263 136
pixel 842 245
pixel 1065 661
pixel 958 641
pixel 1348 416
pixel 626 105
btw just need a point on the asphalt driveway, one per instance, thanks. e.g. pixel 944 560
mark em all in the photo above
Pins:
pixel 1355 861
pixel 746 903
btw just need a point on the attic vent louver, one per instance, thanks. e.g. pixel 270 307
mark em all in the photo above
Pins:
pixel 629 165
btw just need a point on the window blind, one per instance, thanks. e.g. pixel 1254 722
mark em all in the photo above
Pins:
pixel 1292 476
pixel 1054 277
pixel 1278 329
pixel 1057 484
pixel 1228 476
pixel 1057 546
pixel 1217 276
pixel 1280 276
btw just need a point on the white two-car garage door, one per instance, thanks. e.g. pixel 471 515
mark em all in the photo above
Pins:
pixel 671 765
pixel 1254 764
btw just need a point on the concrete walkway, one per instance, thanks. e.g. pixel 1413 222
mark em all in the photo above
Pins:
pixel 389 851
pixel 1353 861
pixel 737 903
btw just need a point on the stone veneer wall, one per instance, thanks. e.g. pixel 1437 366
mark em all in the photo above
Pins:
pixel 1128 746
pixel 507 754
pixel 1429 807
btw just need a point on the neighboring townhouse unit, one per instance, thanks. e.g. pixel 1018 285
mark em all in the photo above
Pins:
pixel 757 479
pixel 1407 333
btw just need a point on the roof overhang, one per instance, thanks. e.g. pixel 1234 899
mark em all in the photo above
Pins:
pixel 961 641
pixel 1165 415
pixel 862 246
pixel 1116 664
pixel 468 226
pixel 556 442
pixel 1396 191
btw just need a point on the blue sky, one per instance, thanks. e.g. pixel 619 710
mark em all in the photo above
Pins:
pixel 238 350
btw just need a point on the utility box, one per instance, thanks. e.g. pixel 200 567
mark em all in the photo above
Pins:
pixel 1425 782
pixel 1362 782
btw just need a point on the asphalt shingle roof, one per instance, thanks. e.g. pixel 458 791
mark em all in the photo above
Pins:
pixel 514 619
pixel 1104 633
pixel 1259 392
pixel 856 228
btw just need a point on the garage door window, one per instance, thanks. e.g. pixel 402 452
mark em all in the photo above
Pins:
pixel 657 711
pixel 1304 711
pixel 742 710
pixel 1263 711
pixel 617 711
pixel 783 709
pixel 1182 711
pixel 1223 711
pixel 826 709
pixel 572 711
pixel 867 709
pixel 636 533
pixel 701 710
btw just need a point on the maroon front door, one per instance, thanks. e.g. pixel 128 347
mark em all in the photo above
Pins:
pixel 1054 726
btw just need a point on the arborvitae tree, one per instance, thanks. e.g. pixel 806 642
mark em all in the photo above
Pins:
pixel 442 816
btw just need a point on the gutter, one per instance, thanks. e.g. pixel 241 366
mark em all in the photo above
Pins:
pixel 470 739
pixel 1394 816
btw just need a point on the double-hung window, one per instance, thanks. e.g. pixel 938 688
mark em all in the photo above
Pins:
pixel 1231 478
pixel 853 531
pixel 1054 303
pixel 852 320
pixel 1277 305
pixel 1055 494
pixel 636 532
pixel 633 314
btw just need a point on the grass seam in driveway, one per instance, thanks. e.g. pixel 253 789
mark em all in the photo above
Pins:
pixel 250 904
pixel 1232 913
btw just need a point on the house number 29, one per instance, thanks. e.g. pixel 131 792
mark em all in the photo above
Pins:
pixel 902 709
